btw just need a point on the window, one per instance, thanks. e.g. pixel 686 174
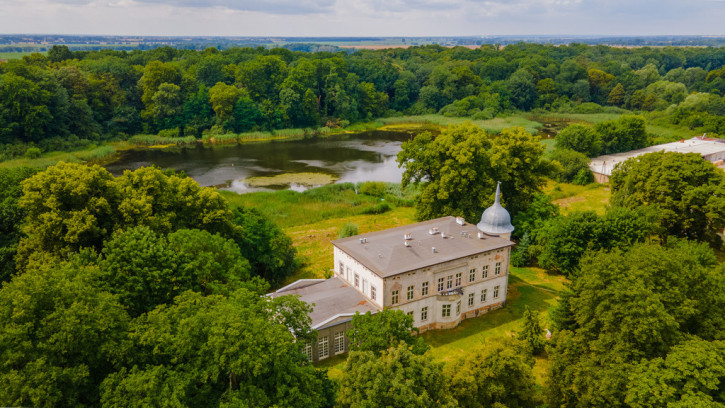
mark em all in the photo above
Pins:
pixel 458 308
pixel 483 295
pixel 424 314
pixel 472 275
pixel 485 272
pixel 458 278
pixel 446 311
pixel 449 282
pixel 308 351
pixel 339 342
pixel 470 299
pixel 357 280
pixel 323 347
pixel 440 284
pixel 394 297
pixel 342 268
pixel 411 288
pixel 498 268
pixel 424 289
pixel 373 293
pixel 495 292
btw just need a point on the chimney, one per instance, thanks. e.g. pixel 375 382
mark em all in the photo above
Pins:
pixel 460 221
pixel 433 250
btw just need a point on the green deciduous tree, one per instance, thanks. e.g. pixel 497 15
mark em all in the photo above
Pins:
pixel 223 98
pixel 220 351
pixel 459 169
pixel 580 138
pixel 572 164
pixel 687 192
pixel 145 269
pixel 397 378
pixel 497 374
pixel 622 135
pixel 691 375
pixel 59 337
pixel 11 217
pixel 380 331
pixel 633 306
pixel 269 251
pixel 564 240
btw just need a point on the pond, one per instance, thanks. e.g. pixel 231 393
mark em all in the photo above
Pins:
pixel 298 165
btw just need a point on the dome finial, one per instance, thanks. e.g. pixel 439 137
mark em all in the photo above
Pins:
pixel 496 220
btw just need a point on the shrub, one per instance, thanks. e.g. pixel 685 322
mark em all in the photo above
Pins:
pixel 373 188
pixel 583 177
pixel 175 132
pixel 348 230
pixel 572 164
pixel 377 209
pixel 32 153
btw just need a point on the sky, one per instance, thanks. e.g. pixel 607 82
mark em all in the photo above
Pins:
pixel 363 17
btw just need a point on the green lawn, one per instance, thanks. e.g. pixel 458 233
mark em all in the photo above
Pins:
pixel 571 197
pixel 530 287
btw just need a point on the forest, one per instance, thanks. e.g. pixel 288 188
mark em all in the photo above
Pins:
pixel 71 99
pixel 146 289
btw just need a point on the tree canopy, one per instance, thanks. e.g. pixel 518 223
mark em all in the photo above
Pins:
pixel 460 167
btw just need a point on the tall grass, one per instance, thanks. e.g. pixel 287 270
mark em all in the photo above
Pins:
pixel 289 208
pixel 49 159
pixel 495 125
pixel 151 140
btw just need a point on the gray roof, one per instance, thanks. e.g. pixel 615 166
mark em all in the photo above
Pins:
pixel 385 253
pixel 496 220
pixel 329 298
pixel 704 147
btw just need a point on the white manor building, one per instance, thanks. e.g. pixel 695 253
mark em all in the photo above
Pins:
pixel 439 271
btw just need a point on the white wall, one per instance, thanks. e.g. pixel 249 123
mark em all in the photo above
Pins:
pixel 366 275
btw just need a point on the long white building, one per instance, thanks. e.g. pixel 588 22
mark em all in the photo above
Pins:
pixel 439 271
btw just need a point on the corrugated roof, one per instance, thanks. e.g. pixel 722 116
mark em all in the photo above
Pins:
pixel 329 298
pixel 605 164
pixel 385 253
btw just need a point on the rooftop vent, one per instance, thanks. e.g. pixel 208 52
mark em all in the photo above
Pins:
pixel 407 244
pixel 433 250
pixel 481 235
pixel 443 235
pixel 433 231
pixel 363 240
pixel 408 235
pixel 460 221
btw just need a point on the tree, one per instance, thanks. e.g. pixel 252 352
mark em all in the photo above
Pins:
pixel 691 375
pixel 397 378
pixel 59 337
pixel 497 374
pixel 385 329
pixel 11 217
pixel 523 89
pixel 580 138
pixel 268 249
pixel 572 165
pixel 223 97
pixel 563 241
pixel 622 135
pixel 68 207
pixel 146 270
pixel 459 169
pixel 616 96
pixel 184 355
pixel 630 306
pixel 687 192
pixel 532 335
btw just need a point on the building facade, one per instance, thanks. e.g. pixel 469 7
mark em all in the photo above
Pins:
pixel 440 272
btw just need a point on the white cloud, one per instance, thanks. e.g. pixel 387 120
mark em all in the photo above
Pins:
pixel 362 17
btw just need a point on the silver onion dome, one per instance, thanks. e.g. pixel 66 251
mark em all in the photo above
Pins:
pixel 496 220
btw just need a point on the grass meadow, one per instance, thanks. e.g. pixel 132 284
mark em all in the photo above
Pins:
pixel 313 219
